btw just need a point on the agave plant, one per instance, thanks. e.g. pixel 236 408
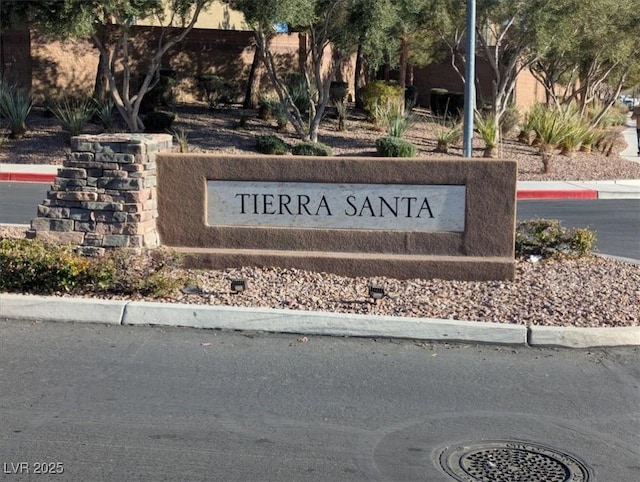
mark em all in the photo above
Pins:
pixel 73 112
pixel 15 105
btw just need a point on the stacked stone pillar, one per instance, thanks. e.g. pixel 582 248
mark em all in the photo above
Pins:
pixel 105 195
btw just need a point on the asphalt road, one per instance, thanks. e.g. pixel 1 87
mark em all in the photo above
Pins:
pixel 113 403
pixel 616 222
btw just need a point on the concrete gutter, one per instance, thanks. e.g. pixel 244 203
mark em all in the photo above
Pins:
pixel 50 308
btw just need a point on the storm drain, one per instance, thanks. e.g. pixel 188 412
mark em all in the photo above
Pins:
pixel 511 461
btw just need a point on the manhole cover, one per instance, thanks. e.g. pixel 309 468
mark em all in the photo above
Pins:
pixel 509 461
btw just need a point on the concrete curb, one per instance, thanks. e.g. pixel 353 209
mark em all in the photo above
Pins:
pixel 573 337
pixel 51 308
pixel 27 177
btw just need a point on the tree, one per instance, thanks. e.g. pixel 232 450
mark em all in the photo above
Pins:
pixel 324 22
pixel 108 23
pixel 579 66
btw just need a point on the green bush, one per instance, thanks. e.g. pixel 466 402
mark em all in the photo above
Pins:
pixel 379 96
pixel 270 144
pixel 395 147
pixel 32 266
pixel 214 89
pixel 312 149
pixel 73 112
pixel 158 121
pixel 548 238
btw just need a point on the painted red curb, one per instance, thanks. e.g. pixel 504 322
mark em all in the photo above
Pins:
pixel 26 177
pixel 523 194
pixel 558 194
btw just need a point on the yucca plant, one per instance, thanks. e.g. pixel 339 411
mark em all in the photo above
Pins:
pixel 550 128
pixel 73 112
pixel 489 131
pixel 15 105
pixel 180 136
pixel 342 112
pixel 393 118
pixel 103 110
pixel 576 131
pixel 446 135
pixel 590 139
pixel 529 121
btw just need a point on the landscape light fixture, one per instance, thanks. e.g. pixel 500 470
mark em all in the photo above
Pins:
pixel 376 292
pixel 238 285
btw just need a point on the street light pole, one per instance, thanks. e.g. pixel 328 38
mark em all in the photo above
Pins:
pixel 469 83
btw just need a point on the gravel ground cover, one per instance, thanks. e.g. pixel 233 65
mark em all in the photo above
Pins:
pixel 589 292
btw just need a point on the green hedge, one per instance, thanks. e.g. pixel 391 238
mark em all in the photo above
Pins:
pixel 312 149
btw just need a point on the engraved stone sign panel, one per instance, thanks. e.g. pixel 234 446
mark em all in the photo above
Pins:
pixel 403 207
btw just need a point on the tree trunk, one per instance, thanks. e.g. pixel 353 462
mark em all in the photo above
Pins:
pixel 358 82
pixel 404 60
pixel 251 99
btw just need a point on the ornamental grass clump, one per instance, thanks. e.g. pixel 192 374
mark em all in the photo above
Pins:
pixel 15 105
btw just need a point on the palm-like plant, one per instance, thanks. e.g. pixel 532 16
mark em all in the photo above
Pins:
pixel 551 129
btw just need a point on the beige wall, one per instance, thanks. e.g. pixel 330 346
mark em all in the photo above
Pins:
pixel 216 16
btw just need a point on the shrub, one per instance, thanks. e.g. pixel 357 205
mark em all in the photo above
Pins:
pixel 182 140
pixel 158 121
pixel 214 89
pixel 395 147
pixel 312 149
pixel 342 111
pixel 15 105
pixel 380 95
pixel 37 267
pixel 280 114
pixel 266 108
pixel 34 266
pixel 410 97
pixel 270 144
pixel 445 103
pixel 161 95
pixel 548 238
pixel 338 92
pixel 73 112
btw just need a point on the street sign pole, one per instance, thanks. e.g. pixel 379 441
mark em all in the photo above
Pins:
pixel 469 84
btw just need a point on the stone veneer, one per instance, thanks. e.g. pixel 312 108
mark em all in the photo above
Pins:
pixel 105 195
